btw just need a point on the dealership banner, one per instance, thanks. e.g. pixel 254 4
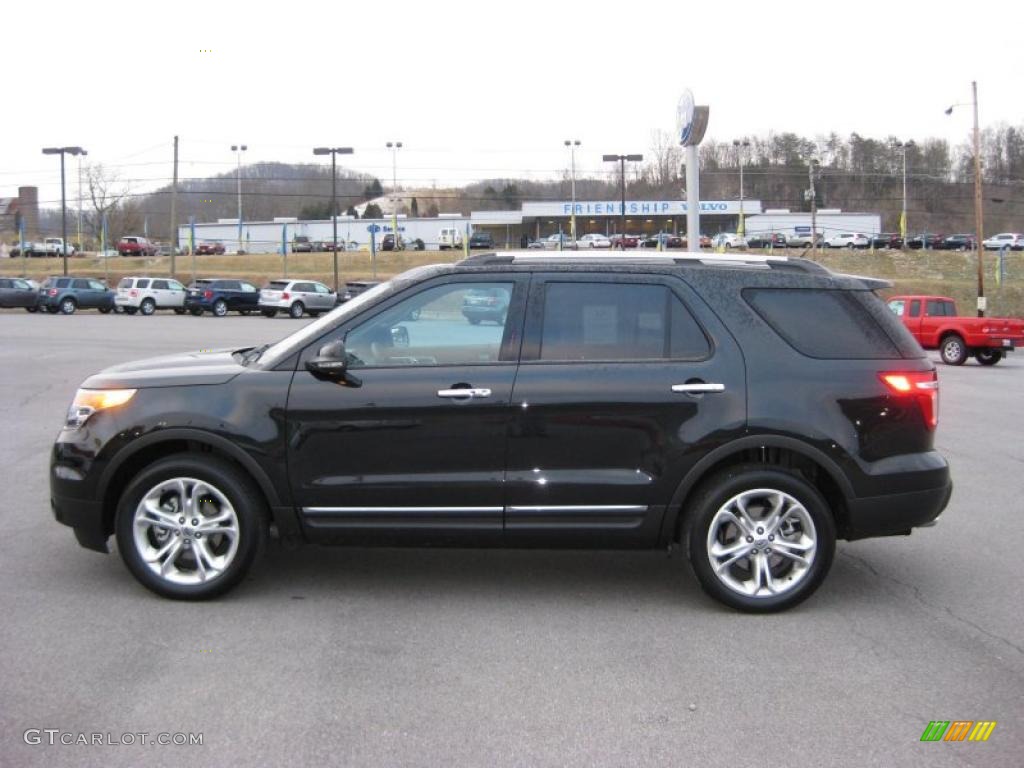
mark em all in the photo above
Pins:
pixel 638 208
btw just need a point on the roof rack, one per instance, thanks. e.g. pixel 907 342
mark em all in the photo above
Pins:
pixel 575 257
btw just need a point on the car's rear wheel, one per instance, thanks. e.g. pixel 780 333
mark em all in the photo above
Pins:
pixel 130 310
pixel 953 350
pixel 297 310
pixel 220 308
pixel 988 356
pixel 189 527
pixel 269 313
pixel 147 307
pixel 759 539
pixel 53 310
pixel 68 306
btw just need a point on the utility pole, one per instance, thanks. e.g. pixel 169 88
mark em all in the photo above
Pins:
pixel 572 144
pixel 238 149
pixel 814 205
pixel 174 208
pixel 80 245
pixel 979 235
pixel 394 146
pixel 740 153
pixel 333 152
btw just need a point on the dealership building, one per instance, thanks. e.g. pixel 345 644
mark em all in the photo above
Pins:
pixel 534 220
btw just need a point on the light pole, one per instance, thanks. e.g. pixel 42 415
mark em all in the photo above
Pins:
pixel 979 234
pixel 572 144
pixel 63 198
pixel 394 146
pixel 812 193
pixel 904 146
pixel 621 160
pixel 238 149
pixel 80 198
pixel 334 152
pixel 740 147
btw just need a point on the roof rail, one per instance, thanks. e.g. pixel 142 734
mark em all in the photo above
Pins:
pixel 576 257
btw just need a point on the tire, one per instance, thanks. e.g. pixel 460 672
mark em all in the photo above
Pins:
pixel 130 310
pixel 714 518
pixel 68 306
pixel 953 350
pixel 297 310
pixel 850 246
pixel 32 310
pixel 245 312
pixel 179 310
pixel 474 320
pixel 196 311
pixel 53 310
pixel 147 307
pixel 211 488
pixel 988 356
pixel 269 313
pixel 220 308
pixel 106 310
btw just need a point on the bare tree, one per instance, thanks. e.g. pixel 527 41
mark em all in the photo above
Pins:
pixel 666 157
pixel 110 196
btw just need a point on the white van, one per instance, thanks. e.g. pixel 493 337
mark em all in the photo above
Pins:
pixel 449 237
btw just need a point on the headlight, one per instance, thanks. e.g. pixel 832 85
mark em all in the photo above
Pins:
pixel 89 401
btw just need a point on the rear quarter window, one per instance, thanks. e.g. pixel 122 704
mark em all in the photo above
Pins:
pixel 830 324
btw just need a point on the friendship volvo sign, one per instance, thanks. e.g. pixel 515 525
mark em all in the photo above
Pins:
pixel 638 208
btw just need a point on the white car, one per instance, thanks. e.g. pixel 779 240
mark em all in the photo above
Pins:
pixel 1012 240
pixel 594 240
pixel 848 240
pixel 727 241
pixel 148 294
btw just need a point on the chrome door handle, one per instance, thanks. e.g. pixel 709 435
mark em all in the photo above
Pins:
pixel 696 389
pixel 469 393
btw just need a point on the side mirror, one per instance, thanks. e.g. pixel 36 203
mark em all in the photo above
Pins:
pixel 330 362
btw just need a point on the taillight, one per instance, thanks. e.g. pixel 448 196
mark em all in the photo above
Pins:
pixel 52 292
pixel 133 293
pixel 921 385
pixel 207 294
pixel 285 296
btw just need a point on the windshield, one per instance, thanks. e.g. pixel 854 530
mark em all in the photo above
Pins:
pixel 286 346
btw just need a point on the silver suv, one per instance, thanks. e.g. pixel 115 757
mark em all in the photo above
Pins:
pixel 148 294
pixel 296 297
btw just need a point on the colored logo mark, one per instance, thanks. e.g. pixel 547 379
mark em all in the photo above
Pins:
pixel 958 730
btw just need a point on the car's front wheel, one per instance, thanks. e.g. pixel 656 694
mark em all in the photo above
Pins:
pixel 189 527
pixel 759 539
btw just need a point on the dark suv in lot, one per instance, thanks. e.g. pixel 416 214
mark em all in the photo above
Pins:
pixel 747 410
pixel 68 294
pixel 221 296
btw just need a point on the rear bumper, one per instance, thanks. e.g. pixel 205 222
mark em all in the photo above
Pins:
pixel 911 490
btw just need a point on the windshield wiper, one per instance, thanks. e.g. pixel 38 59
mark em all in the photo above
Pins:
pixel 252 355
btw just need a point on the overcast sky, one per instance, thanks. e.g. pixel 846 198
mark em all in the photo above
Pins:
pixel 479 89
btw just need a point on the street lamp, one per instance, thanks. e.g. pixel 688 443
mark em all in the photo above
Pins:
pixel 394 146
pixel 621 160
pixel 904 146
pixel 572 144
pixel 80 197
pixel 63 200
pixel 334 152
pixel 979 235
pixel 238 149
pixel 740 146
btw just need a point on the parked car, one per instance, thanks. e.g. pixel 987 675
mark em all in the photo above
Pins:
pixel 1012 240
pixel 849 240
pixel 928 240
pixel 220 296
pixel 50 246
pixel 449 237
pixel 388 243
pixel 68 294
pixel 167 250
pixel 355 287
pixel 490 303
pixel 958 243
pixel 887 240
pixel 728 241
pixel 935 323
pixel 302 244
pixel 296 297
pixel 533 244
pixel 481 240
pixel 551 242
pixel 210 248
pixel 18 292
pixel 810 417
pixel 624 241
pixel 767 240
pixel 664 239
pixel 804 240
pixel 135 246
pixel 595 240
pixel 148 294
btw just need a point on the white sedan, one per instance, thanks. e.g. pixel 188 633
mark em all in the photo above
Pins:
pixel 594 240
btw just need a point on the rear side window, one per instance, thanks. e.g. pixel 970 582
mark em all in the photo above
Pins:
pixel 126 282
pixel 143 283
pixel 618 321
pixel 826 324
pixel 229 285
pixel 80 285
pixel 159 285
pixel 278 285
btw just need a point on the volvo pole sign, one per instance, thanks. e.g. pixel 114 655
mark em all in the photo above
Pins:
pixel 692 122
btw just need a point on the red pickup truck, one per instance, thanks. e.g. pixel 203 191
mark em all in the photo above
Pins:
pixel 935 324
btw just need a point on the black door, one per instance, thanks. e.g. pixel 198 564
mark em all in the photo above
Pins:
pixel 417 448
pixel 624 383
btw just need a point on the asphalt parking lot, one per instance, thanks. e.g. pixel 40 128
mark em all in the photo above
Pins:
pixel 470 657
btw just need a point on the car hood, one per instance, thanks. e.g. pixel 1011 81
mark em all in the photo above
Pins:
pixel 215 366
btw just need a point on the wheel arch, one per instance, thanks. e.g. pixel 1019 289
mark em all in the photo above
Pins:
pixel 772 451
pixel 153 447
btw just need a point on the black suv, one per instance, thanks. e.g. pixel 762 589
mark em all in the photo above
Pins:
pixel 748 410
pixel 220 296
